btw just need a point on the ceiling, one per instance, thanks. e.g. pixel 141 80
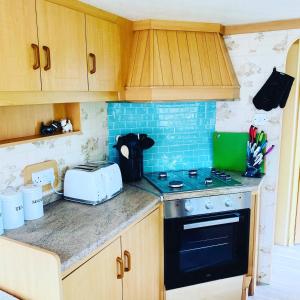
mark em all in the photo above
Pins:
pixel 220 11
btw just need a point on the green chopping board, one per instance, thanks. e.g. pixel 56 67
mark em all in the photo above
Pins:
pixel 230 150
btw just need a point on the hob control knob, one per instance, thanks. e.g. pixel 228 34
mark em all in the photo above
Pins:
pixel 228 203
pixel 188 206
pixel 209 205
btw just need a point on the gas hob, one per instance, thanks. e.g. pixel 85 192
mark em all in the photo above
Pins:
pixel 190 180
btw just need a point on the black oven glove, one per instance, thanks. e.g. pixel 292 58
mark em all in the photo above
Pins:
pixel 274 92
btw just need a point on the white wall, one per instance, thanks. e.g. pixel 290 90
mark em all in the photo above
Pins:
pixel 254 56
pixel 67 151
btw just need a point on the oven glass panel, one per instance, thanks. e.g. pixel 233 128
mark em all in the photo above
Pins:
pixel 208 246
pixel 204 248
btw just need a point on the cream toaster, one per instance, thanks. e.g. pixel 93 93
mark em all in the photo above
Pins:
pixel 93 183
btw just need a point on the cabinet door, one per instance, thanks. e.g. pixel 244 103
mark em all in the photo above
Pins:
pixel 103 50
pixel 143 245
pixel 97 278
pixel 63 47
pixel 18 31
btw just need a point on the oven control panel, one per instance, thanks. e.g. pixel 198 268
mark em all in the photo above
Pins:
pixel 206 205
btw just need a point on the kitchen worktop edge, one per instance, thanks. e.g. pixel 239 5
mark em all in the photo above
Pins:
pixel 75 231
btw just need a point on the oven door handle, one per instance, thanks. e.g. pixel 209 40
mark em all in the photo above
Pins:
pixel 211 223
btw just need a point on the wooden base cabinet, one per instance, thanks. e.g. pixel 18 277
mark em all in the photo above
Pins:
pixel 253 242
pixel 141 247
pixel 97 278
pixel 130 268
pixel 223 289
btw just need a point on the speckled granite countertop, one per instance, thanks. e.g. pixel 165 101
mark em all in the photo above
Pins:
pixel 74 231
pixel 247 185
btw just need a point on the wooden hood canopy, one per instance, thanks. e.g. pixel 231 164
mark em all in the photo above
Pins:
pixel 179 61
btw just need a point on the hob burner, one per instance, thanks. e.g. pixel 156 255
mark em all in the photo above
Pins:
pixel 208 180
pixel 162 175
pixel 228 177
pixel 176 184
pixel 193 173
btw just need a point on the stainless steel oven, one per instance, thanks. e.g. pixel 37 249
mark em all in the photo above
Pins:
pixel 206 239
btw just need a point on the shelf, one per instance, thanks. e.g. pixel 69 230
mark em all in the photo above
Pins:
pixel 35 138
pixel 21 124
pixel 34 98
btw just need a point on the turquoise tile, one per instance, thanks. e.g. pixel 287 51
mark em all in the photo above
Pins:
pixel 182 132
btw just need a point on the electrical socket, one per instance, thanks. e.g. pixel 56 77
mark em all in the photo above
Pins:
pixel 259 119
pixel 43 177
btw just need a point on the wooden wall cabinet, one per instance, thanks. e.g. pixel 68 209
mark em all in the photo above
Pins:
pixel 103 54
pixel 56 51
pixel 18 31
pixel 62 47
pixel 129 268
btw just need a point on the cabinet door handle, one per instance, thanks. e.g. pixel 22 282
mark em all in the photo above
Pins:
pixel 93 57
pixel 36 52
pixel 127 259
pixel 48 58
pixel 120 268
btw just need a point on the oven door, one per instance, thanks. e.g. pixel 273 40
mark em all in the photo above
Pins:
pixel 207 247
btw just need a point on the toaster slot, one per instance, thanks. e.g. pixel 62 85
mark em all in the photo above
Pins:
pixel 85 168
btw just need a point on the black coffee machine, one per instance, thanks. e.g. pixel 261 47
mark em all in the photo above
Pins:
pixel 130 148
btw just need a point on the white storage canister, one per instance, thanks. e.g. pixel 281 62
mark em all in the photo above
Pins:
pixel 33 202
pixel 1 221
pixel 12 209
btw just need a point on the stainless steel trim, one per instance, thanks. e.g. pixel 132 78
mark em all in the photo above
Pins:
pixel 86 168
pixel 211 223
pixel 205 247
pixel 92 167
pixel 198 206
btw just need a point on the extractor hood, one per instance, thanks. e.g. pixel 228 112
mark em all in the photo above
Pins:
pixel 179 61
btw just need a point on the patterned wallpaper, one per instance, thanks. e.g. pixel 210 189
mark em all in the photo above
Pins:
pixel 254 56
pixel 91 145
pixel 182 132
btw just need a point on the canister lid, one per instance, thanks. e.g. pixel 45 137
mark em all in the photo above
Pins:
pixel 9 194
pixel 31 188
pixel 31 192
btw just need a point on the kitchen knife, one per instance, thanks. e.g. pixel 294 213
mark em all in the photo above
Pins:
pixel 269 150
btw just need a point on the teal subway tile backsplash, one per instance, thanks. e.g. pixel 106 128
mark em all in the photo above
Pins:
pixel 182 132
